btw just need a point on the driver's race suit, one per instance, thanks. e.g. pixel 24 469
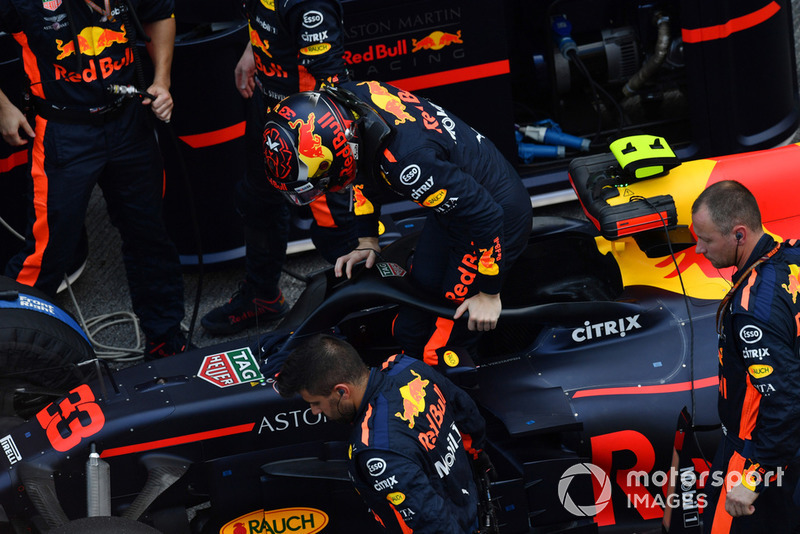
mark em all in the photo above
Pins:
pixel 409 449
pixel 759 390
pixel 479 212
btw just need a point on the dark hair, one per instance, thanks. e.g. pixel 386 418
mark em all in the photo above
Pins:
pixel 318 364
pixel 729 203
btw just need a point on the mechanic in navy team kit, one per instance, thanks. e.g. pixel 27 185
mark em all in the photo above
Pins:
pixel 759 355
pixel 416 437
pixel 479 211
pixel 295 45
pixel 73 51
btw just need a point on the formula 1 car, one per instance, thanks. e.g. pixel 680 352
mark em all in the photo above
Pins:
pixel 599 382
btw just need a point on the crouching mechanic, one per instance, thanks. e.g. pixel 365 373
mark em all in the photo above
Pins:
pixel 479 211
pixel 759 369
pixel 413 433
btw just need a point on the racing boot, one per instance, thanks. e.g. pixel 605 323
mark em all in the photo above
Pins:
pixel 167 345
pixel 244 309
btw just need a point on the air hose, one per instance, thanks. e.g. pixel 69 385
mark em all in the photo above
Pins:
pixel 655 61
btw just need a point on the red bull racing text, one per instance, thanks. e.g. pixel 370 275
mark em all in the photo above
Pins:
pixel 92 41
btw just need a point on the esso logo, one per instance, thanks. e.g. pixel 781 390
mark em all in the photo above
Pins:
pixel 376 466
pixel 410 175
pixel 312 19
pixel 750 334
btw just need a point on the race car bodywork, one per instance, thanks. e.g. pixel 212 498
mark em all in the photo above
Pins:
pixel 605 343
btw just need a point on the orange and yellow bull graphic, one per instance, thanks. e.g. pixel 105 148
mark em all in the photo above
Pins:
pixel 793 285
pixel 436 41
pixel 92 40
pixel 768 174
pixel 489 257
pixel 317 158
pixel 361 204
pixel 388 102
pixel 259 43
pixel 413 395
pixel 270 69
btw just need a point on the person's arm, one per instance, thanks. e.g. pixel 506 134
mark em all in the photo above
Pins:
pixel 12 120
pixel 161 49
pixel 245 72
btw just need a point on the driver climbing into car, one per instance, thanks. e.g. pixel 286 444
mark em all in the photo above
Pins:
pixel 416 437
pixel 479 212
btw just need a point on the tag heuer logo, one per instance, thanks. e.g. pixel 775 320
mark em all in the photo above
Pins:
pixel 51 5
pixel 230 368
pixel 388 269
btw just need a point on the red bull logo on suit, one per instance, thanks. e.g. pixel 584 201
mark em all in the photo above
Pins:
pixel 413 395
pixel 792 286
pixel 388 102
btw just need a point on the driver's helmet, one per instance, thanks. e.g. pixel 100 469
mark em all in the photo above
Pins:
pixel 309 140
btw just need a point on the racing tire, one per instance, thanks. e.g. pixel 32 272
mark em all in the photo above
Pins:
pixel 39 352
pixel 104 525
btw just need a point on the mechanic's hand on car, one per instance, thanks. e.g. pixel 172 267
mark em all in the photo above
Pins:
pixel 12 120
pixel 484 310
pixel 366 251
pixel 245 73
pixel 739 501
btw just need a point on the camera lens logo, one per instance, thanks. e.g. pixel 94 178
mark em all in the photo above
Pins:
pixel 586 510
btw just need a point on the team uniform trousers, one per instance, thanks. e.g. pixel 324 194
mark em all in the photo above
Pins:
pixel 285 40
pixel 122 156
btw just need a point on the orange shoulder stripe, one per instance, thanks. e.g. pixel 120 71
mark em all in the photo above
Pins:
pixel 746 290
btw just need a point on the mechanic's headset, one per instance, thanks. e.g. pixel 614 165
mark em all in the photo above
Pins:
pixel 341 391
pixel 739 237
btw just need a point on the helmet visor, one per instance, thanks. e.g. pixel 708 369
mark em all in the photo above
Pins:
pixel 302 192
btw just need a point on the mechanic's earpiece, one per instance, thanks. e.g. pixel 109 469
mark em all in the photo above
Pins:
pixel 341 392
pixel 739 236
